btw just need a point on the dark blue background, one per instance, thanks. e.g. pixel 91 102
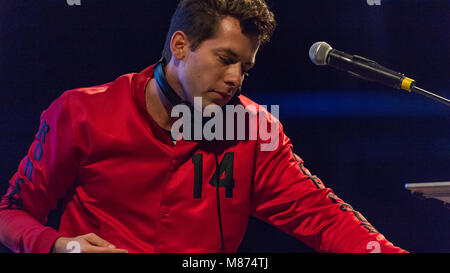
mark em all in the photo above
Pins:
pixel 363 140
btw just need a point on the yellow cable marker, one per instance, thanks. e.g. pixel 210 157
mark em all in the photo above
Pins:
pixel 408 84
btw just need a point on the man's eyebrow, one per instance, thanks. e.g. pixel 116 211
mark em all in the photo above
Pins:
pixel 233 55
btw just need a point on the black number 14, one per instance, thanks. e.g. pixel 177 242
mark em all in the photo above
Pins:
pixel 225 166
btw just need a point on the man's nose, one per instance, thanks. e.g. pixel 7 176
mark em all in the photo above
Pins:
pixel 234 76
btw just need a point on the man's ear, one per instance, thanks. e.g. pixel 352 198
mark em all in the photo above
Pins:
pixel 179 45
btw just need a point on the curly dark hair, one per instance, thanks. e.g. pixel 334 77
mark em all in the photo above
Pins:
pixel 200 19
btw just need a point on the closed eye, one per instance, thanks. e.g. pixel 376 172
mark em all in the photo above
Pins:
pixel 228 61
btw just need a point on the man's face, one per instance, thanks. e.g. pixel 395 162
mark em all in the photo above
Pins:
pixel 216 69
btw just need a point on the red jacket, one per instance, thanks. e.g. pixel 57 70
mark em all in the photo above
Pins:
pixel 121 177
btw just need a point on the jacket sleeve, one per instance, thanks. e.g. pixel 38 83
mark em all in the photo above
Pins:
pixel 43 177
pixel 289 197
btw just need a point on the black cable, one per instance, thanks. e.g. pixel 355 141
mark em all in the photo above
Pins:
pixel 218 203
pixel 430 95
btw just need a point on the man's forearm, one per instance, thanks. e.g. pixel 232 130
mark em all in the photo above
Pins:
pixel 21 232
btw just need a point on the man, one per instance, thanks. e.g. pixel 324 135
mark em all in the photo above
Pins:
pixel 127 186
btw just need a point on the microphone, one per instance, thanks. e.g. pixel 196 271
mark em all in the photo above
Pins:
pixel 322 53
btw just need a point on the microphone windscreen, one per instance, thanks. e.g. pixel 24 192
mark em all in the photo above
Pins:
pixel 318 53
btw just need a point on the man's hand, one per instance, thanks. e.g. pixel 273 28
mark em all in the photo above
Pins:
pixel 88 243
